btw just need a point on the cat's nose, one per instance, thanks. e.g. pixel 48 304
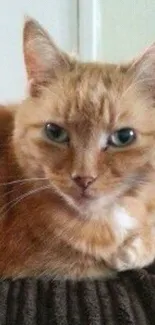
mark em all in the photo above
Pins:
pixel 83 182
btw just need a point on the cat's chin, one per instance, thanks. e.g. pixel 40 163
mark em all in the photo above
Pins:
pixel 88 205
pixel 81 202
pixel 91 207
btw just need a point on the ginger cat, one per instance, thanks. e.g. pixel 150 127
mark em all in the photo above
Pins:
pixel 77 167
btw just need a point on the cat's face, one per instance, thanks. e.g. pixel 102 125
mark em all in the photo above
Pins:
pixel 89 131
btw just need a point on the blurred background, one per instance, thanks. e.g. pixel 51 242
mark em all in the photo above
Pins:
pixel 109 30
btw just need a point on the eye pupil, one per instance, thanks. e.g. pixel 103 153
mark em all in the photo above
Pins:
pixel 122 137
pixel 54 129
pixel 125 135
pixel 56 133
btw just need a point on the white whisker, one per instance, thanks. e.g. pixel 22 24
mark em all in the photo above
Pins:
pixel 15 201
pixel 5 194
pixel 23 181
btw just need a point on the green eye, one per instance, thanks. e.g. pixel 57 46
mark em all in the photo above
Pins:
pixel 122 137
pixel 56 133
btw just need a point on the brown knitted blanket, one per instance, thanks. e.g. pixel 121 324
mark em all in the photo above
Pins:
pixel 127 300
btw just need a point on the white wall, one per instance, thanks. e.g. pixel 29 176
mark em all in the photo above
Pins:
pixel 59 17
pixel 115 30
pixel 126 28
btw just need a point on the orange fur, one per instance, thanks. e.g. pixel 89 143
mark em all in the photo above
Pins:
pixel 46 225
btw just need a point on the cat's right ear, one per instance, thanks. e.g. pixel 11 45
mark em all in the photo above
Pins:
pixel 143 68
pixel 43 59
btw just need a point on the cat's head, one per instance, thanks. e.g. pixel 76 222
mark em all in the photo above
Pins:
pixel 89 128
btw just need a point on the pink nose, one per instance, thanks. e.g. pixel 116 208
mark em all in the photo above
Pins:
pixel 83 182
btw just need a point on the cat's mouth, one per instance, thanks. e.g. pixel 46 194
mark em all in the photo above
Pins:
pixel 84 197
pixel 87 198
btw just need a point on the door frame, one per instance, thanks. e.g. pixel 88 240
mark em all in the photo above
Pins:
pixel 89 29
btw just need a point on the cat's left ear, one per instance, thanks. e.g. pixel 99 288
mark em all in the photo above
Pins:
pixel 143 68
pixel 43 59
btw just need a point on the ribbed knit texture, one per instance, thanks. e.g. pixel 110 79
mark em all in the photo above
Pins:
pixel 127 300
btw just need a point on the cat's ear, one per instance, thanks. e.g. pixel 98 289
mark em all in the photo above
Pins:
pixel 143 67
pixel 43 59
